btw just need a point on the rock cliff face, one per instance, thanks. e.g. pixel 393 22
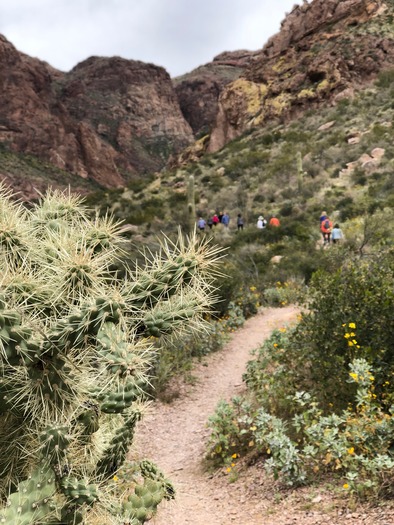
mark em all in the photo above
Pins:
pixel 129 105
pixel 198 91
pixel 324 48
pixel 106 120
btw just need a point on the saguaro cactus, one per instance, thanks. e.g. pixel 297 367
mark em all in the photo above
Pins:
pixel 76 346
pixel 191 203
pixel 300 172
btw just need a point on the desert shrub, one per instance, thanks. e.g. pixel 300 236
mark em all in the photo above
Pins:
pixel 283 293
pixel 248 299
pixel 229 429
pixel 353 447
pixel 361 292
pixel 227 285
pixel 385 78
pixel 236 166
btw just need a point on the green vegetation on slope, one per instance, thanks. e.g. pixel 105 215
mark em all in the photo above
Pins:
pixel 347 157
pixel 26 170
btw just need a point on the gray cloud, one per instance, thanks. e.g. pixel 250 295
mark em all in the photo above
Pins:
pixel 176 34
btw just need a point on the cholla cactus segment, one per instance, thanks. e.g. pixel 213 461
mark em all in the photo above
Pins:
pixel 189 263
pixel 141 506
pixel 152 473
pixel 76 350
pixel 115 454
pixel 33 501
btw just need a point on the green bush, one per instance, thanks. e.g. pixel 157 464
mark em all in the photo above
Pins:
pixel 354 447
pixel 361 292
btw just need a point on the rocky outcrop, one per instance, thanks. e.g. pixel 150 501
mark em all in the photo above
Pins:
pixel 106 120
pixel 129 105
pixel 198 91
pixel 324 48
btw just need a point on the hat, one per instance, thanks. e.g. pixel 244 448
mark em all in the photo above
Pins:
pixel 261 218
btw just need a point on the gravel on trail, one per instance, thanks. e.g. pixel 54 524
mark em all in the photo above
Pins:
pixel 174 436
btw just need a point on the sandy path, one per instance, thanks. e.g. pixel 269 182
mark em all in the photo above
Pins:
pixel 174 435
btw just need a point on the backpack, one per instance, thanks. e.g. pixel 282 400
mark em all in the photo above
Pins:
pixel 326 224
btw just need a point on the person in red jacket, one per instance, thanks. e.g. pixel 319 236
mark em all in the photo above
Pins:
pixel 215 219
pixel 326 229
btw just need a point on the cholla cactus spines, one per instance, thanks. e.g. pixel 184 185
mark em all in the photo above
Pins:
pixel 76 351
pixel 14 233
pixel 185 265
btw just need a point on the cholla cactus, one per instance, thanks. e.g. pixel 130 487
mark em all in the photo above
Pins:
pixel 76 347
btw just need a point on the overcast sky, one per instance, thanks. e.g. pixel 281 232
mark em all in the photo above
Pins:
pixel 179 35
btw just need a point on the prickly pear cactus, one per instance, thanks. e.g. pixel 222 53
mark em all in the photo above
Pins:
pixel 76 347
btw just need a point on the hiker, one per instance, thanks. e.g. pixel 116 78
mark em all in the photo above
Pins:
pixel 274 221
pixel 336 234
pixel 210 222
pixel 225 219
pixel 240 222
pixel 261 223
pixel 201 224
pixel 325 228
pixel 323 216
pixel 215 219
pixel 220 216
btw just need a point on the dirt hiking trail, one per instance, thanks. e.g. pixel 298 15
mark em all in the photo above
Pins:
pixel 174 436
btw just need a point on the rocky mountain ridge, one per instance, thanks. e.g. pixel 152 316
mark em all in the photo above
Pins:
pixel 323 51
pixel 107 120
pixel 110 120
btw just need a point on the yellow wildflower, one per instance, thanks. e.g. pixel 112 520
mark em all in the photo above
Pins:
pixel 228 469
pixel 350 451
pixel 234 456
pixel 347 336
pixel 354 376
pixel 350 343
pixel 345 486
pixel 352 325
pixel 115 478
pixel 233 464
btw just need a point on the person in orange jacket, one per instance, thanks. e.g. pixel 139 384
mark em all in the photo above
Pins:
pixel 274 221
pixel 326 229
